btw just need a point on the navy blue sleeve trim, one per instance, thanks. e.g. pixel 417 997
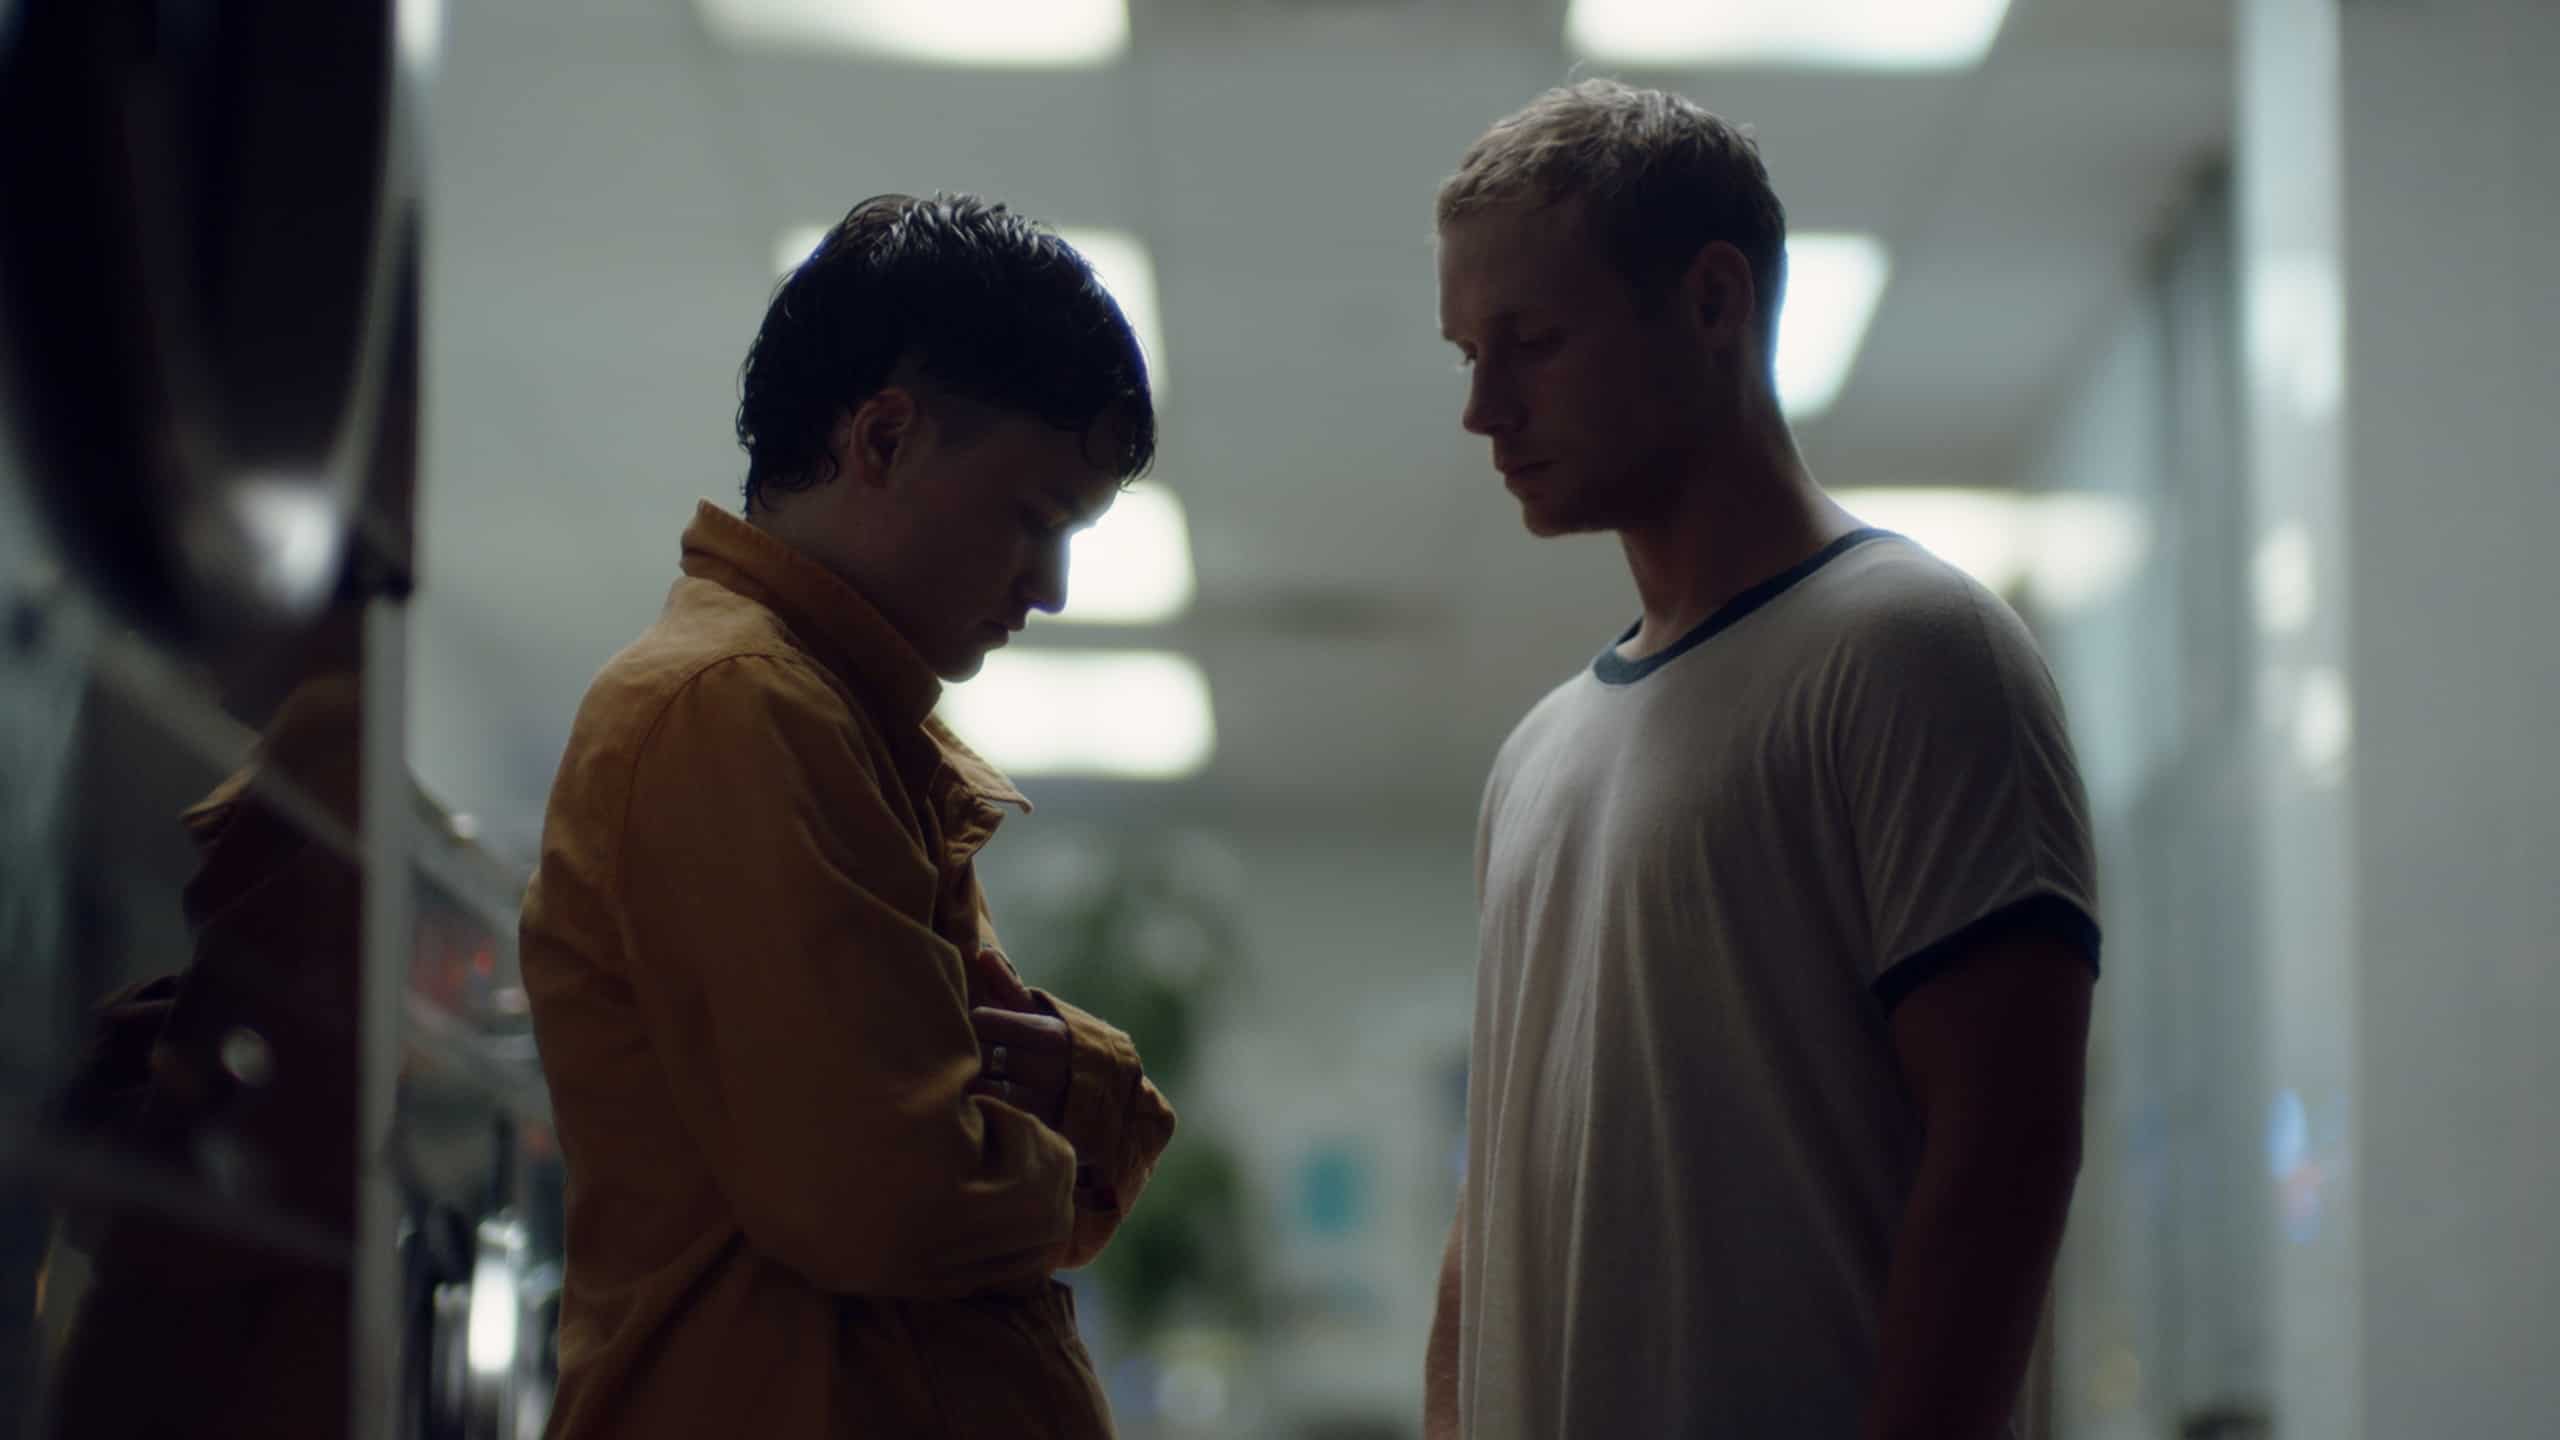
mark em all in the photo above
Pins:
pixel 2048 912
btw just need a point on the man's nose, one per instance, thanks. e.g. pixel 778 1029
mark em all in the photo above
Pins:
pixel 1044 586
pixel 1492 407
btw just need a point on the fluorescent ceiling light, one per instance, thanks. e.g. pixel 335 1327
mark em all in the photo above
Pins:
pixel 795 245
pixel 1126 268
pixel 418 32
pixel 2082 547
pixel 1976 531
pixel 1833 284
pixel 2067 551
pixel 1120 260
pixel 1134 568
pixel 1860 34
pixel 992 33
pixel 1122 714
pixel 296 535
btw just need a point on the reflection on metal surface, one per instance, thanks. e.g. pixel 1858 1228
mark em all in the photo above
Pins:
pixel 294 531
pixel 93 1178
pixel 247 1058
pixel 219 1064
pixel 210 292
pixel 479 1168
pixel 502 1071
pixel 168 204
pixel 481 1383
pixel 496 1297
pixel 480 1250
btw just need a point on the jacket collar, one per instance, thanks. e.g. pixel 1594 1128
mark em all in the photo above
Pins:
pixel 975 774
pixel 842 630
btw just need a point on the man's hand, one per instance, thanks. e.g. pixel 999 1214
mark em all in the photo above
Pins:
pixel 1022 1052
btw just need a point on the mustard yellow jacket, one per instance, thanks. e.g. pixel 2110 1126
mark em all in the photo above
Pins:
pixel 746 946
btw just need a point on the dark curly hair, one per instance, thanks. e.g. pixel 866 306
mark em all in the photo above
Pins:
pixel 964 296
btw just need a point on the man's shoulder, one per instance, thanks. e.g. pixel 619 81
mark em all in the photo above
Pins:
pixel 683 719
pixel 1907 632
pixel 1552 721
pixel 710 643
pixel 1893 579
pixel 1892 599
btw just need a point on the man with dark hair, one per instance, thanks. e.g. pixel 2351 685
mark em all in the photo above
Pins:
pixel 825 1151
pixel 1786 935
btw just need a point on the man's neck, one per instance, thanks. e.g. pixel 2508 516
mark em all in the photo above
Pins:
pixel 1748 515
pixel 794 525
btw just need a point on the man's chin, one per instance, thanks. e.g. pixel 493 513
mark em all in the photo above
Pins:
pixel 1547 522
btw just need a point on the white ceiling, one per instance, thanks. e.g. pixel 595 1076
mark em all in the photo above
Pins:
pixel 607 186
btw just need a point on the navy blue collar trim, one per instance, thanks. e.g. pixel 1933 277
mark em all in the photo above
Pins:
pixel 1613 668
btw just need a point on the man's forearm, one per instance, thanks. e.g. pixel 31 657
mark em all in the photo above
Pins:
pixel 1971 1266
pixel 1440 1357
pixel 1116 1119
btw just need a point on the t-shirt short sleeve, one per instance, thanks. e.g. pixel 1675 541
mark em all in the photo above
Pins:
pixel 1964 802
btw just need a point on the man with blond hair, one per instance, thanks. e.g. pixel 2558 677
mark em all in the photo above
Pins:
pixel 1786 900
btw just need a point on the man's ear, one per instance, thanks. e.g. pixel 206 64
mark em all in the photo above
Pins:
pixel 867 438
pixel 1716 290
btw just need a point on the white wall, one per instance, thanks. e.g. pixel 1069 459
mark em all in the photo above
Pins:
pixel 2322 1160
pixel 2451 197
pixel 2159 1302
pixel 2294 285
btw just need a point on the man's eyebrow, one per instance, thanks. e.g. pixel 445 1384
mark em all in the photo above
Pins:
pixel 1504 319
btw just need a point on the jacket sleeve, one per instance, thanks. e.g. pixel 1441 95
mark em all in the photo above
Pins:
pixel 1116 1119
pixel 814 1029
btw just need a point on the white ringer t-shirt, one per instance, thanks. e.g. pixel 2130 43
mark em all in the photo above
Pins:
pixel 1704 879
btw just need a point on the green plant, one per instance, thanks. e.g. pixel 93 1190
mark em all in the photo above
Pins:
pixel 1143 941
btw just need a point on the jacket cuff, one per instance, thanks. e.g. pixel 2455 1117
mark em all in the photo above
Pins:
pixel 1103 1076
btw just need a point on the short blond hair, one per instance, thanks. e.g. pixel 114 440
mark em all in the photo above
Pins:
pixel 1660 178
